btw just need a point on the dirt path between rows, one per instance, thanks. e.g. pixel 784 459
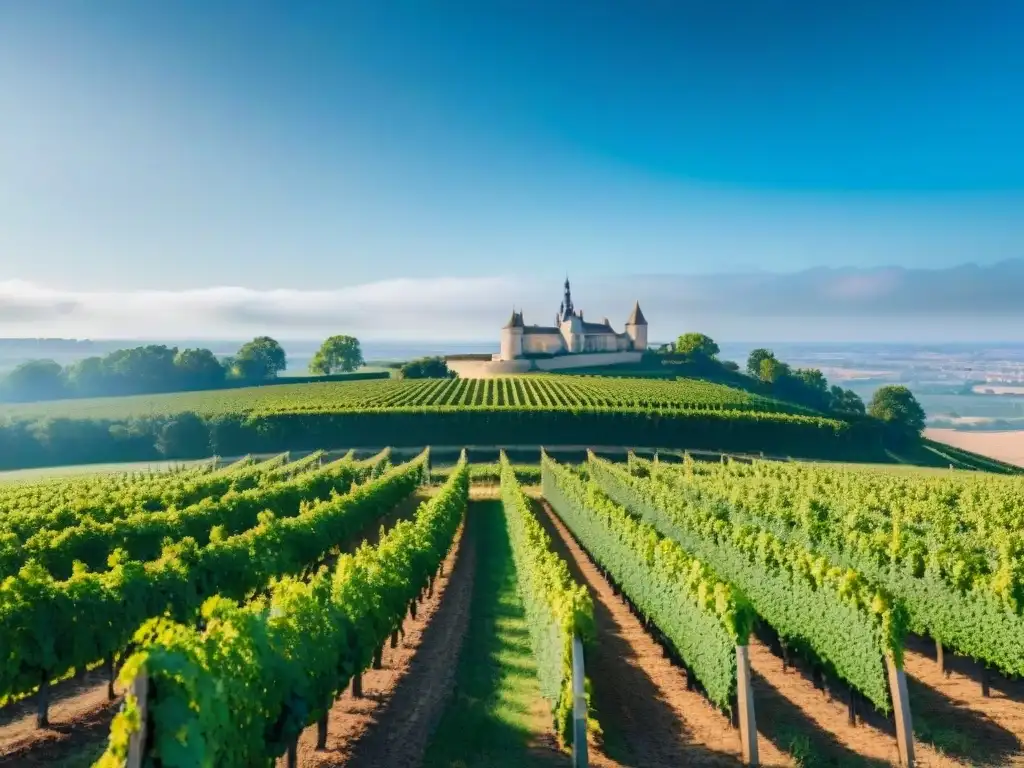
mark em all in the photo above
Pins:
pixel 402 702
pixel 951 713
pixel 648 716
pixel 815 724
pixel 79 720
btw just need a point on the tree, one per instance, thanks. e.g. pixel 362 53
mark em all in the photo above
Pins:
pixel 88 377
pixel 426 368
pixel 772 370
pixel 142 369
pixel 338 353
pixel 896 406
pixel 35 380
pixel 186 437
pixel 199 369
pixel 696 345
pixel 754 360
pixel 845 401
pixel 261 358
pixel 813 379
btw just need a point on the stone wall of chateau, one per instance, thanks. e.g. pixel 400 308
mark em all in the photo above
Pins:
pixel 605 342
pixel 542 344
pixel 484 369
pixel 587 360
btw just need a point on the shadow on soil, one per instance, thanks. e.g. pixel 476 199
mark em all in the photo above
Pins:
pixel 496 717
pixel 954 728
pixel 635 719
pixel 785 725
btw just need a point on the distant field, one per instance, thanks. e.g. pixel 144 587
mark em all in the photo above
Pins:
pixel 559 392
pixel 1004 446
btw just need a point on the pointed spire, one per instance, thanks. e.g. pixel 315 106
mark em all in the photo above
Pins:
pixel 566 309
pixel 636 317
pixel 516 321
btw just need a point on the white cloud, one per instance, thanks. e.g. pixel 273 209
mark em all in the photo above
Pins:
pixel 404 308
pixel 966 303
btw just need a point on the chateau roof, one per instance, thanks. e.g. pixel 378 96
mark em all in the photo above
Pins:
pixel 540 329
pixel 636 317
pixel 516 321
pixel 597 328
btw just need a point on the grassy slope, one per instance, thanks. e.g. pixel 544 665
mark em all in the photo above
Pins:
pixel 497 717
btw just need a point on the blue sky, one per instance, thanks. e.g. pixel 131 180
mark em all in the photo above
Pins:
pixel 254 152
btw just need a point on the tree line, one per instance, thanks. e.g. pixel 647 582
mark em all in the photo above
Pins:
pixel 895 405
pixel 154 368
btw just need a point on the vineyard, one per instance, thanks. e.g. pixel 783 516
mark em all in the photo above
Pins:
pixel 521 410
pixel 356 609
pixel 516 392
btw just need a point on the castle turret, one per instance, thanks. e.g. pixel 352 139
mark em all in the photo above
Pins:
pixel 573 333
pixel 512 337
pixel 636 328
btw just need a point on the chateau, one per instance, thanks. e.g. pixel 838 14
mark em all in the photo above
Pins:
pixel 571 334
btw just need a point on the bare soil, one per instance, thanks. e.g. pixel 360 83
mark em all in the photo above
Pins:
pixel 814 722
pixel 392 723
pixel 80 715
pixel 951 713
pixel 639 697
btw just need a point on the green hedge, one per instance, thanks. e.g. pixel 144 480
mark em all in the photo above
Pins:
pixel 32 507
pixel 703 617
pixel 141 535
pixel 556 607
pixel 836 615
pixel 59 441
pixel 50 627
pixel 955 591
pixel 238 693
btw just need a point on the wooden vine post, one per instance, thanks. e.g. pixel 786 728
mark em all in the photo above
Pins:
pixel 901 708
pixel 137 741
pixel 745 704
pixel 43 703
pixel 579 706
pixel 111 677
pixel 321 732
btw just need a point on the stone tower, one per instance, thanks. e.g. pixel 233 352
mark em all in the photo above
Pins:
pixel 636 328
pixel 512 337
